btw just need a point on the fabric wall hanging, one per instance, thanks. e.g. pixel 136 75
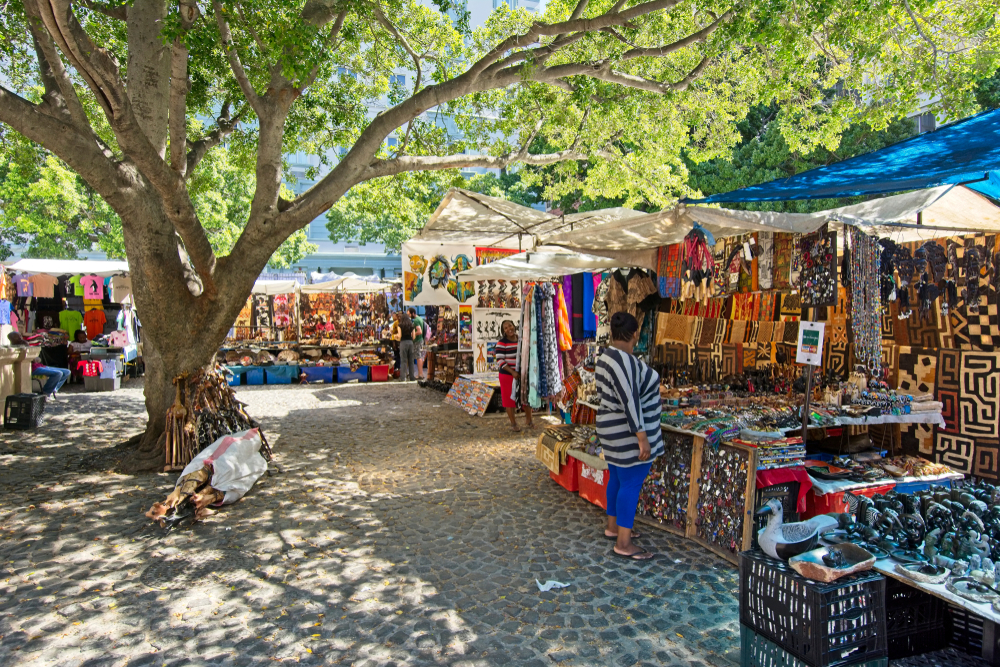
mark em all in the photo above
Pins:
pixel 765 261
pixel 784 249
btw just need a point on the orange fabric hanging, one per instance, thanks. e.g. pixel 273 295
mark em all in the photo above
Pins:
pixel 562 321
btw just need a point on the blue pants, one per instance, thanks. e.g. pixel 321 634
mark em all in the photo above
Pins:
pixel 56 378
pixel 624 485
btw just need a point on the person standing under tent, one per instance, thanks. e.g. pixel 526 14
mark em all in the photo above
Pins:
pixel 419 340
pixel 405 348
pixel 505 353
pixel 394 335
pixel 628 426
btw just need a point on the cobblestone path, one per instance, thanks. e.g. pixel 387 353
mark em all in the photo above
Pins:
pixel 390 530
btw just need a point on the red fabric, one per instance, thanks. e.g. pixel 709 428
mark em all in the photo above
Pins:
pixel 92 369
pixel 783 475
pixel 506 383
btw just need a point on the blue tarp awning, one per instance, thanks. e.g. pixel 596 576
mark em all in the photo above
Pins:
pixel 966 152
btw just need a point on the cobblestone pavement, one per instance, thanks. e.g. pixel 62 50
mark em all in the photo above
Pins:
pixel 390 530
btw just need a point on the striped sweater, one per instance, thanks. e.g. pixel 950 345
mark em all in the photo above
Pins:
pixel 506 356
pixel 629 392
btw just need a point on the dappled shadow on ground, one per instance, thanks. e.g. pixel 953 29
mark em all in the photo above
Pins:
pixel 391 530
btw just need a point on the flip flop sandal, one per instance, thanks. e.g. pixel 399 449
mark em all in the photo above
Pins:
pixel 635 536
pixel 515 429
pixel 636 556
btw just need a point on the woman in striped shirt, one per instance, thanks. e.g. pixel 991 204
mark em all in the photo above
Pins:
pixel 505 353
pixel 628 425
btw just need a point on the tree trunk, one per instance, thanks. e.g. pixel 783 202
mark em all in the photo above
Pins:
pixel 180 333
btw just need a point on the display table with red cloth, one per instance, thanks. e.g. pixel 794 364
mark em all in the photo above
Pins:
pixel 766 478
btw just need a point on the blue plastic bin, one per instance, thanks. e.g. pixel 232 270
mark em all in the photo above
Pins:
pixel 253 376
pixel 345 374
pixel 914 487
pixel 273 378
pixel 234 380
pixel 319 373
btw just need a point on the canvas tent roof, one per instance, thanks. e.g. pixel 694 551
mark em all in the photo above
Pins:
pixel 348 284
pixel 942 209
pixel 60 267
pixel 270 287
pixel 541 263
pixel 966 152
pixel 491 221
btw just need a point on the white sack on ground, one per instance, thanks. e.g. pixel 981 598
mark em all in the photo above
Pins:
pixel 235 461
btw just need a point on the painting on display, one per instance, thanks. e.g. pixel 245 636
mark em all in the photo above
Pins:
pixel 487 322
pixel 465 328
pixel 430 273
pixel 496 293
pixel 484 357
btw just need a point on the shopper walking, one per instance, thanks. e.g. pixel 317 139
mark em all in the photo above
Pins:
pixel 506 356
pixel 405 348
pixel 419 341
pixel 628 426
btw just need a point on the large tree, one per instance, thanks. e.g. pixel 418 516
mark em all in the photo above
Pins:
pixel 112 90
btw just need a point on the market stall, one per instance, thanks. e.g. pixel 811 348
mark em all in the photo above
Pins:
pixel 48 301
pixel 323 332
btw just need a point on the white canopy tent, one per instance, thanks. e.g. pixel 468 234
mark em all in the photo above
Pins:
pixel 545 262
pixel 346 284
pixel 73 267
pixel 464 215
pixel 271 287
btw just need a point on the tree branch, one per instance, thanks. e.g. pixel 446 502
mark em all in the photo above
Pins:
pixel 234 58
pixel 119 12
pixel 60 95
pixel 667 49
pixel 179 88
pixel 224 126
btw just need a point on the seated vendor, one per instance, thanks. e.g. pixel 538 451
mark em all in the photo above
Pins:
pixel 56 377
pixel 77 349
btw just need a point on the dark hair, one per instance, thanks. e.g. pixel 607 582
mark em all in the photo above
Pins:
pixel 502 334
pixel 411 311
pixel 406 326
pixel 623 326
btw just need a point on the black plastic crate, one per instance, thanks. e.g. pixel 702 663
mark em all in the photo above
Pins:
pixel 824 625
pixel 787 493
pixel 23 411
pixel 914 620
pixel 757 651
pixel 964 630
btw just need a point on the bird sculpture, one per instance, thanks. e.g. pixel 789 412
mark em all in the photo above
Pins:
pixel 784 540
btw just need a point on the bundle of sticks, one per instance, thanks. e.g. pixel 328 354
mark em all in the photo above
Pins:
pixel 205 408
pixel 194 487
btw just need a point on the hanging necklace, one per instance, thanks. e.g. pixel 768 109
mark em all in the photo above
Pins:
pixel 866 304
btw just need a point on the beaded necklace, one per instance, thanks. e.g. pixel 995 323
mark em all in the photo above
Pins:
pixel 866 305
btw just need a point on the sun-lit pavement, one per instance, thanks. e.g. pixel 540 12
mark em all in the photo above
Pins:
pixel 391 530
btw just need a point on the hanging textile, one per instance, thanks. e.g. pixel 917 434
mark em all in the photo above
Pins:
pixel 534 398
pixel 669 271
pixel 646 334
pixel 589 316
pixel 765 262
pixel 567 287
pixel 600 307
pixel 562 320
pixel 549 341
pixel 524 344
pixel 580 307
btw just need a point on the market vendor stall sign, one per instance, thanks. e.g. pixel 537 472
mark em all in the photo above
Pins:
pixel 810 349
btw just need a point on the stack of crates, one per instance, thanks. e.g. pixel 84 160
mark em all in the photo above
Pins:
pixel 787 620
